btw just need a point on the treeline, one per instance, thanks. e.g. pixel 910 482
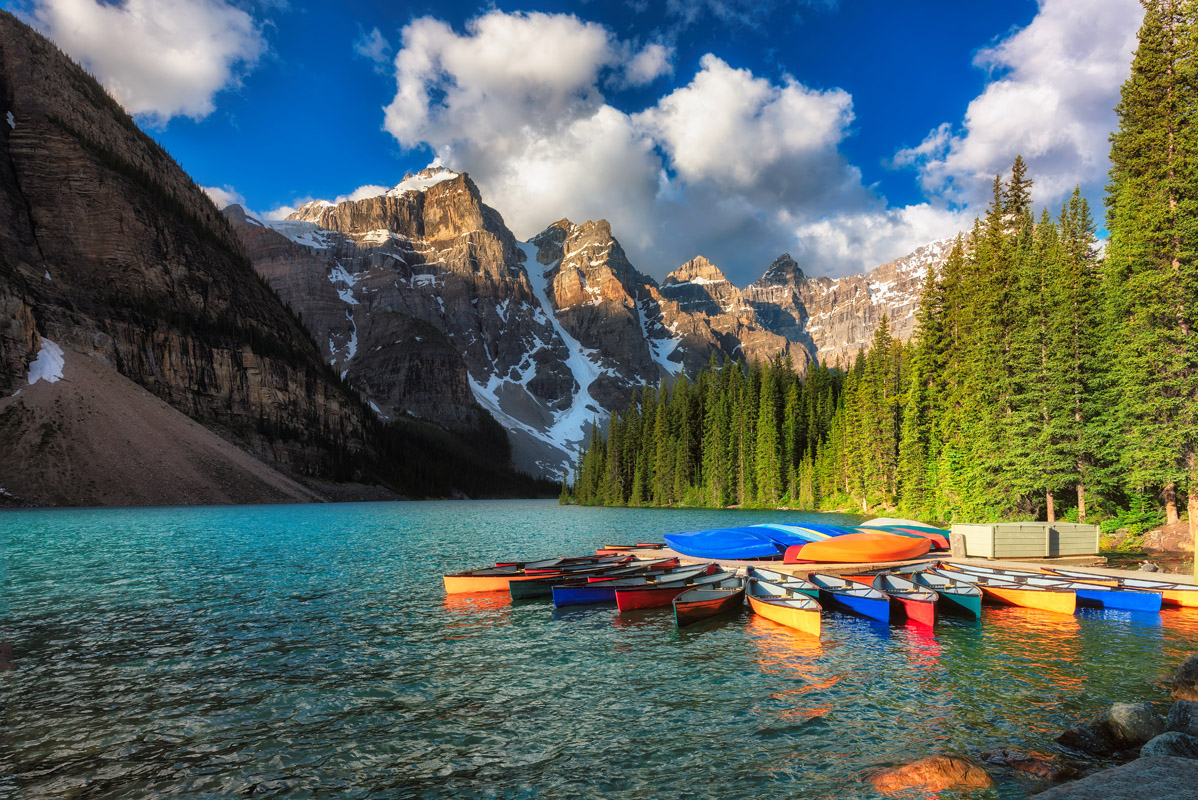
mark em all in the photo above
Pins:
pixel 1044 380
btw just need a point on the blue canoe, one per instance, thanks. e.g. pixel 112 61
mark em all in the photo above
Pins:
pixel 755 541
pixel 851 596
pixel 1087 594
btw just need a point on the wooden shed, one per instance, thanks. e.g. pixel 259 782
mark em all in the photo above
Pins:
pixel 1028 539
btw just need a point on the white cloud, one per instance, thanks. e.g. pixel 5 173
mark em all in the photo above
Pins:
pixel 224 196
pixel 375 47
pixel 362 192
pixel 724 165
pixel 159 58
pixel 653 61
pixel 1052 98
pixel 861 241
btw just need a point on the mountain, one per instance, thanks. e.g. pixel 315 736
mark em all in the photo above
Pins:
pixel 422 299
pixel 118 277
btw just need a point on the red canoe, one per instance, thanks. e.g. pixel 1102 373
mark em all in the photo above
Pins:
pixel 663 594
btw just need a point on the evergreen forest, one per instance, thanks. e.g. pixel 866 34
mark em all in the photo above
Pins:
pixel 1049 377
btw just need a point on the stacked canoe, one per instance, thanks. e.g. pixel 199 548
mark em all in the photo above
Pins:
pixel 802 542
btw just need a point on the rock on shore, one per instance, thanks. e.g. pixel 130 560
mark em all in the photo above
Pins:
pixel 934 774
pixel 1148 778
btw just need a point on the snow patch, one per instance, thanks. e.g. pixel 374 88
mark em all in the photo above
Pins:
pixel 48 276
pixel 339 275
pixel 306 233
pixel 12 121
pixel 422 181
pixel 48 364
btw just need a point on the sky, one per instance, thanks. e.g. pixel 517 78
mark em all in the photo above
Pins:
pixel 844 132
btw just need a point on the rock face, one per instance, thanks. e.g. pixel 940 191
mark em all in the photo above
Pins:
pixel 1183 717
pixel 1172 743
pixel 1040 765
pixel 1150 778
pixel 932 774
pixel 109 249
pixel 424 301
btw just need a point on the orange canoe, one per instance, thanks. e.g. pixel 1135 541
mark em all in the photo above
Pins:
pixel 859 548
pixel 779 604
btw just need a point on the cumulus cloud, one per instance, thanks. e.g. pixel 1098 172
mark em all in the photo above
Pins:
pixel 653 61
pixel 159 58
pixel 362 192
pixel 1055 85
pixel 224 196
pixel 723 165
pixel 375 47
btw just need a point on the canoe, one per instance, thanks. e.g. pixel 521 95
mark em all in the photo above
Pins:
pixel 784 606
pixel 750 541
pixel 1088 594
pixel 859 548
pixel 863 600
pixel 938 538
pixel 543 586
pixel 958 597
pixel 1184 595
pixel 1005 592
pixel 792 582
pixel 614 549
pixel 584 592
pixel 498 578
pixel 630 598
pixel 916 603
pixel 701 603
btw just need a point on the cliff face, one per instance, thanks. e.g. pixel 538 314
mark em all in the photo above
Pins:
pixel 108 248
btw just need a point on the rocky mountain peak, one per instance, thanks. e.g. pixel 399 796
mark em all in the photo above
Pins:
pixel 784 271
pixel 423 180
pixel 698 270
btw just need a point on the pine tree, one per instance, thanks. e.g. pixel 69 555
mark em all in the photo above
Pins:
pixel 1150 277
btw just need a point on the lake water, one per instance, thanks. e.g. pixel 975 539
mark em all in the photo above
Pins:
pixel 310 651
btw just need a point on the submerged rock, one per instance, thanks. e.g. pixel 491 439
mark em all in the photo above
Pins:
pixel 1172 743
pixel 1185 680
pixel 1040 765
pixel 1123 727
pixel 934 774
pixel 1151 778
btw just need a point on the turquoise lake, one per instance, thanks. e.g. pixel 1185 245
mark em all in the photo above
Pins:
pixel 310 651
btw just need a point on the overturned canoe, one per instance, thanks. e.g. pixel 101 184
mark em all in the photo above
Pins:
pixel 859 548
pixel 863 600
pixel 939 539
pixel 704 602
pixel 750 541
pixel 498 578
pixel 787 607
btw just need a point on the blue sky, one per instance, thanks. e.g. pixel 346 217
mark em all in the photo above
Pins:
pixel 846 133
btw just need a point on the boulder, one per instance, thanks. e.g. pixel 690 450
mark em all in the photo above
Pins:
pixel 1148 566
pixel 1170 539
pixel 1150 778
pixel 1040 765
pixel 933 774
pixel 1183 717
pixel 1172 743
pixel 1184 682
pixel 1123 727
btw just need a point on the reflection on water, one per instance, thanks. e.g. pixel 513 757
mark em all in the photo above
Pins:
pixel 311 651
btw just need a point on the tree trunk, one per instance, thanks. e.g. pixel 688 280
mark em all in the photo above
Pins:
pixel 1171 504
pixel 1081 502
pixel 1052 509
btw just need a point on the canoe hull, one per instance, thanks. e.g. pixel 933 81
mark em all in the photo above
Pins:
pixel 1058 602
pixel 1124 601
pixel 862 606
pixel 479 584
pixel 804 620
pixel 969 605
pixel 688 613
pixel 633 599
pixel 860 548
pixel 922 612
pixel 589 594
